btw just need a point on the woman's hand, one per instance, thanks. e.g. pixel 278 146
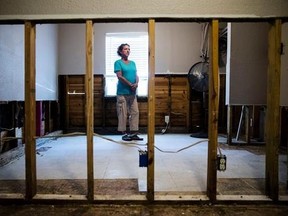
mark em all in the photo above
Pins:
pixel 134 86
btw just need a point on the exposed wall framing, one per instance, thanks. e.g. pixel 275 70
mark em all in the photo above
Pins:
pixel 273 112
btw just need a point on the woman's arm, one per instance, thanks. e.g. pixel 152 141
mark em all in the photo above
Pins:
pixel 123 79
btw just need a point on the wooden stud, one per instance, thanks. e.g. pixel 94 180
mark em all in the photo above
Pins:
pixel 273 110
pixel 151 110
pixel 247 125
pixel 89 86
pixel 30 110
pixel 229 124
pixel 213 113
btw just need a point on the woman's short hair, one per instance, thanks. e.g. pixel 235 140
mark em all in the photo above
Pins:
pixel 120 48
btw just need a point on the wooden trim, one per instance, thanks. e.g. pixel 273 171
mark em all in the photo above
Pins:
pixel 273 110
pixel 30 110
pixel 213 113
pixel 89 86
pixel 151 111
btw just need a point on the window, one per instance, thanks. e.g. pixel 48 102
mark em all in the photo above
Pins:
pixel 138 42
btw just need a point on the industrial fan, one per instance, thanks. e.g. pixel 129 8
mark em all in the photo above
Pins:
pixel 198 76
pixel 198 81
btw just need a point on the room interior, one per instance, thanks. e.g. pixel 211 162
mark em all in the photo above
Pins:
pixel 61 119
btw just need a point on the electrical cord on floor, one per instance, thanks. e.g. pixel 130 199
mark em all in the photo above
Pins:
pixel 129 143
pixel 219 149
pixel 165 129
pixel 136 144
pixel 200 141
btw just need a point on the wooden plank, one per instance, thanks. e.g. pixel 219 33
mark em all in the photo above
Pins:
pixel 273 110
pixel 89 86
pixel 180 102
pixel 99 114
pixel 30 109
pixel 151 111
pixel 143 108
pixel 213 113
pixel 177 106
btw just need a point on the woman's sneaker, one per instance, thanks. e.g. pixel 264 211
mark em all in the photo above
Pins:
pixel 135 137
pixel 126 137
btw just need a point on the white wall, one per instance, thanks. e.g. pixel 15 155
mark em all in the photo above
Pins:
pixel 247 64
pixel 46 62
pixel 70 9
pixel 71 49
pixel 12 62
pixel 177 46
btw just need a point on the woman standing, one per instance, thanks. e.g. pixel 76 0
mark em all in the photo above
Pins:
pixel 127 105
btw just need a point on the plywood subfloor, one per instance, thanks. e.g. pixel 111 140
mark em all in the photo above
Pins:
pixel 226 186
pixel 74 186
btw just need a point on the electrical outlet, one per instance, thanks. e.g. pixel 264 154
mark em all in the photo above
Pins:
pixel 167 119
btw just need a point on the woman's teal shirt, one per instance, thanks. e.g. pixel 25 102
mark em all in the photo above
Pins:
pixel 129 71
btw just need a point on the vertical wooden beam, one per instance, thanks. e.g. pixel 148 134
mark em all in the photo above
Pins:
pixel 273 110
pixel 213 113
pixel 229 124
pixel 30 110
pixel 247 124
pixel 151 110
pixel 89 86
